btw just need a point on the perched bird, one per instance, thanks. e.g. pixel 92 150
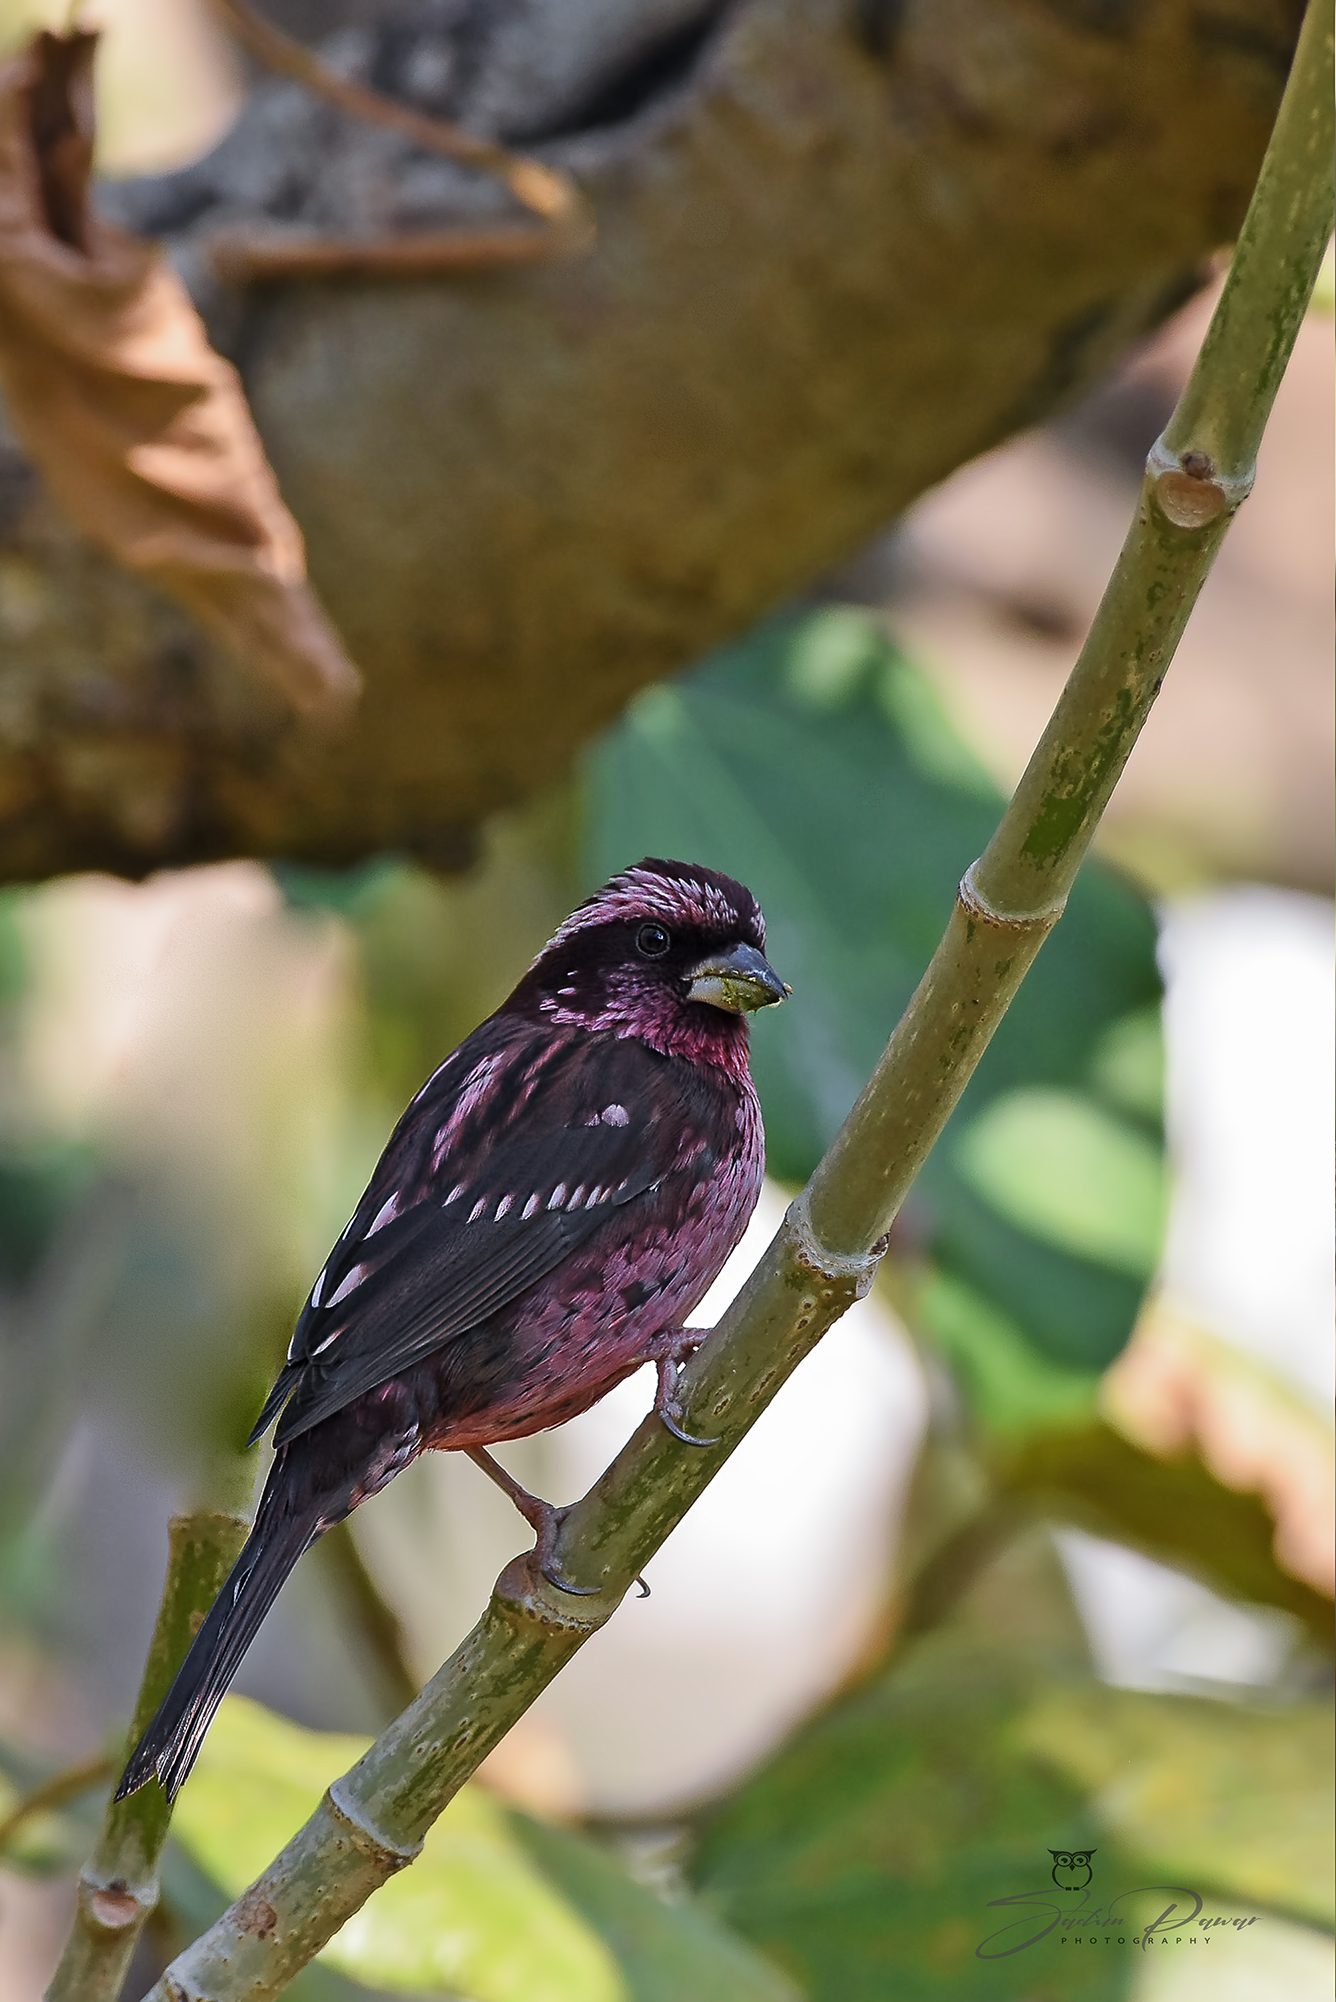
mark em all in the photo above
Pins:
pixel 556 1200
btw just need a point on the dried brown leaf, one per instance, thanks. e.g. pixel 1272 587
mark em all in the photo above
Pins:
pixel 140 430
pixel 1176 1389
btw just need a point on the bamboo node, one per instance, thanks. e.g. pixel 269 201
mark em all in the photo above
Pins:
pixel 1190 490
pixel 849 1272
pixel 976 905
pixel 372 1841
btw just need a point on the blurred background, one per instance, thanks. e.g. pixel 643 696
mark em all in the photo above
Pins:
pixel 1036 1548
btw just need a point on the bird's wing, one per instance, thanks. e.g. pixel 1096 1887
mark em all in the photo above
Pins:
pixel 484 1188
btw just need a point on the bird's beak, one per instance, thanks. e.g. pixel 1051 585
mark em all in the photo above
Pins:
pixel 737 980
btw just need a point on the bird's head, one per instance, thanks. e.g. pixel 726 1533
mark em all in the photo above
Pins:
pixel 670 952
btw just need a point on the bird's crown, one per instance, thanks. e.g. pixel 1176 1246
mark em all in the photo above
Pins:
pixel 683 895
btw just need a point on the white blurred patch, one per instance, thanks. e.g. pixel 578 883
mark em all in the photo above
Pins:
pixel 1248 1022
pixel 1153 1628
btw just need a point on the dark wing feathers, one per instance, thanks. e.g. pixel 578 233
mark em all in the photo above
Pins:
pixel 434 1269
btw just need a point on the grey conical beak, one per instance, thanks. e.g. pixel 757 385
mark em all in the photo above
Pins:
pixel 738 980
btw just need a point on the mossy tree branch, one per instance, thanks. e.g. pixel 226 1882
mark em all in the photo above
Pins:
pixel 373 1820
pixel 842 248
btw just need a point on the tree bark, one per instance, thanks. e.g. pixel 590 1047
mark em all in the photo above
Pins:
pixel 841 249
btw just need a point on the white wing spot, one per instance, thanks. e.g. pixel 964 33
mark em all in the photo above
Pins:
pixel 320 1347
pixel 315 1290
pixel 577 1198
pixel 567 990
pixel 477 1209
pixel 614 1115
pixel 503 1206
pixel 384 1214
pixel 558 1197
pixel 529 1208
pixel 594 1196
pixel 354 1279
pixel 456 1192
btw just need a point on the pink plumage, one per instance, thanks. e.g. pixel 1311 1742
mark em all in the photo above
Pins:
pixel 554 1203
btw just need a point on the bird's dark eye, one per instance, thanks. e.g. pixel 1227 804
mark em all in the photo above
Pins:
pixel 653 941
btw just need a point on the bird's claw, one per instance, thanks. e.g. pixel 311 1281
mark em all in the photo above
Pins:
pixel 665 1408
pixel 549 1522
pixel 565 1585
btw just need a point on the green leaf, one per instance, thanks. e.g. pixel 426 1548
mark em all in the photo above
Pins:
pixel 1211 1794
pixel 495 1909
pixel 1001 1372
pixel 1127 1067
pixel 866 1858
pixel 1066 1171
pixel 816 764
pixel 667 1953
pixel 869 1856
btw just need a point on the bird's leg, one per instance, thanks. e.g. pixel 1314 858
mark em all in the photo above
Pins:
pixel 543 1518
pixel 673 1349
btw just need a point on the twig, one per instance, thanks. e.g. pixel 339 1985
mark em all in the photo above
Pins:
pixel 118 1886
pixel 55 1792
pixel 373 1618
pixel 246 255
pixel 372 1821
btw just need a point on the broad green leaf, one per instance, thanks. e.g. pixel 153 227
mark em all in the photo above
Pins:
pixel 869 1858
pixel 668 1953
pixel 816 764
pixel 472 1914
pixel 1064 1170
pixel 866 1857
pixel 1127 1067
pixel 1209 1793
pixel 1001 1372
pixel 495 1909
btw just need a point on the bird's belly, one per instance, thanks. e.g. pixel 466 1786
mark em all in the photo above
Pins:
pixel 591 1323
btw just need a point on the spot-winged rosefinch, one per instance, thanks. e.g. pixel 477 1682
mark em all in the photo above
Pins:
pixel 558 1197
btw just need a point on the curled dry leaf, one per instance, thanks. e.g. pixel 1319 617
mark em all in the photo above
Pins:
pixel 1175 1389
pixel 140 430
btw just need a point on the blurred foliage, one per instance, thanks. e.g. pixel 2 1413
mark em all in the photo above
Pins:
pixel 868 1857
pixel 814 762
pixel 496 1908
pixel 54 1839
pixel 1172 1510
pixel 1227 1798
pixel 438 954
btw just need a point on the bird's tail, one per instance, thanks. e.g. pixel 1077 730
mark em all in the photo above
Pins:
pixel 171 1743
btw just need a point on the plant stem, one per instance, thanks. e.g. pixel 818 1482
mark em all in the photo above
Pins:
pixel 118 1886
pixel 374 1621
pixel 373 1820
pixel 56 1792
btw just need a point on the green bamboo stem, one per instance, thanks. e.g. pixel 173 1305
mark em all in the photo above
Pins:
pixel 373 1820
pixel 118 1886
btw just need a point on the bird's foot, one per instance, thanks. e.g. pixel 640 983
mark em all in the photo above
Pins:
pixel 543 1517
pixel 665 1403
pixel 545 1551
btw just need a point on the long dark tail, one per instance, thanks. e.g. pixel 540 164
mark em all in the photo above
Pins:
pixel 171 1743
